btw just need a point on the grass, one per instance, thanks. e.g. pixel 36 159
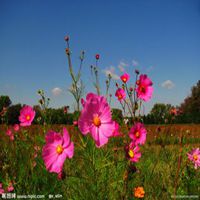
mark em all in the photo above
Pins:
pixel 100 173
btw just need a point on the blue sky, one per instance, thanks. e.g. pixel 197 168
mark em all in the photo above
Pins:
pixel 159 37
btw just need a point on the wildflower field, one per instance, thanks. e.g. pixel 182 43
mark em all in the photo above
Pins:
pixel 99 173
pixel 99 157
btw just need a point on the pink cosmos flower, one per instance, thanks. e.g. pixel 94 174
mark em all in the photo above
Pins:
pixel 96 118
pixel 1 188
pixel 57 148
pixel 144 89
pixel 138 133
pixel 27 115
pixel 75 123
pixel 9 132
pixel 120 94
pixel 125 77
pixel 132 152
pixel 10 187
pixel 12 137
pixel 116 132
pixel 194 156
pixel 174 111
pixel 16 127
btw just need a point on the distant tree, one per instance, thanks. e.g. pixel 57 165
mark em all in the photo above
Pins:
pixel 13 114
pixel 117 115
pixel 160 113
pixel 58 116
pixel 4 102
pixel 38 116
pixel 191 106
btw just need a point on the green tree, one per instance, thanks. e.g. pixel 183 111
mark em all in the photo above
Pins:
pixel 160 113
pixel 191 105
pixel 4 102
pixel 13 114
pixel 117 115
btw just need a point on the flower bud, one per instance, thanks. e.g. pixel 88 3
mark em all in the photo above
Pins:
pixel 67 51
pixel 66 38
pixel 97 56
pixel 137 71
pixel 131 89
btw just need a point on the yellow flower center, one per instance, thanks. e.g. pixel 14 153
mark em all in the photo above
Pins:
pixel 195 157
pixel 59 149
pixel 124 80
pixel 96 121
pixel 28 117
pixel 119 96
pixel 142 89
pixel 131 153
pixel 137 134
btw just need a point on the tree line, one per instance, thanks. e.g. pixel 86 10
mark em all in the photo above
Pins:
pixel 186 112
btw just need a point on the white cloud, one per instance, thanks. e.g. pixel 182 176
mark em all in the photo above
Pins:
pixel 111 71
pixel 122 65
pixel 56 91
pixel 135 63
pixel 168 84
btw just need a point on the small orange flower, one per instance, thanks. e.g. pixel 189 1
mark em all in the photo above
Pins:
pixel 139 192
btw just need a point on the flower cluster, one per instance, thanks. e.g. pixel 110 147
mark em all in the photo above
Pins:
pixel 137 135
pixel 143 88
pixel 9 188
pixel 10 131
pixel 141 92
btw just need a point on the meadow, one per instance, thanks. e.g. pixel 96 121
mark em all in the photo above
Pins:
pixel 101 173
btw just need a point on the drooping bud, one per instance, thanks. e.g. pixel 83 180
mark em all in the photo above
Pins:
pixel 137 71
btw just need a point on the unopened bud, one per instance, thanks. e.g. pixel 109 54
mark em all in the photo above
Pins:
pixel 137 71
pixel 67 51
pixel 97 56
